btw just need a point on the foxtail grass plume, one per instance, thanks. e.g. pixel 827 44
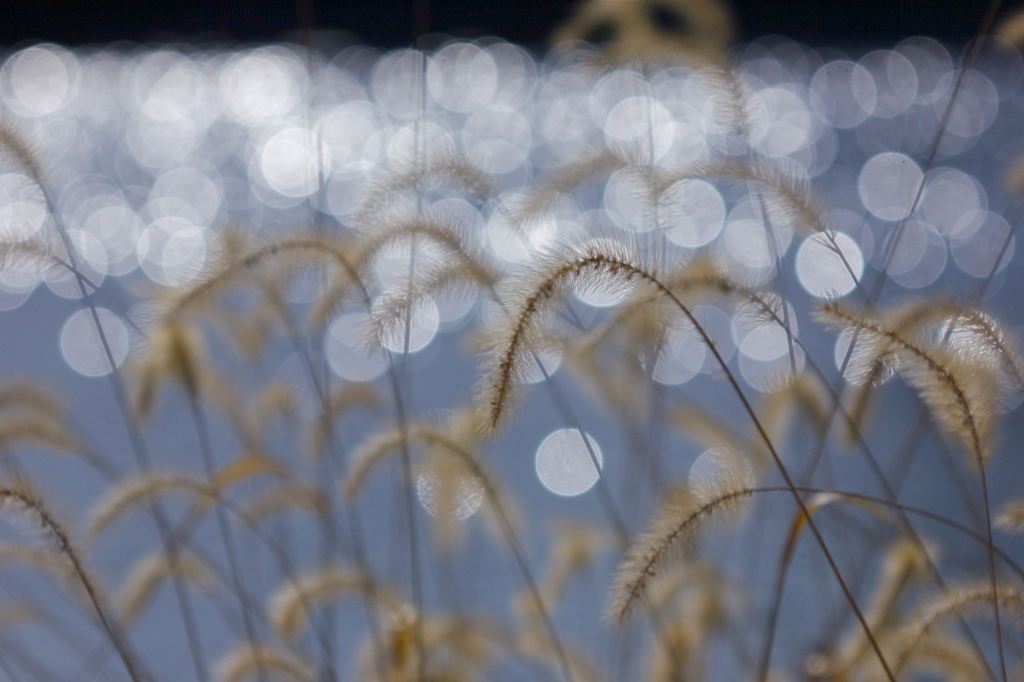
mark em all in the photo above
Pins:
pixel 675 525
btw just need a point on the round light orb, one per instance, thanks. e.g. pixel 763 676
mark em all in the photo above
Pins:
pixel 564 463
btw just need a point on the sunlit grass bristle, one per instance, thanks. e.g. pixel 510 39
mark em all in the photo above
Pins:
pixel 299 249
pixel 917 637
pixel 597 165
pixel 903 565
pixel 131 493
pixel 17 495
pixel 791 198
pixel 674 527
pixel 283 498
pixel 38 560
pixel 291 604
pixel 456 267
pixel 174 352
pixel 800 397
pixel 24 395
pixel 22 151
pixel 706 428
pixel 447 235
pixel 149 573
pixel 520 333
pixel 438 170
pixel 959 387
pixel 43 431
pixel 1011 516
pixel 577 549
pixel 38 253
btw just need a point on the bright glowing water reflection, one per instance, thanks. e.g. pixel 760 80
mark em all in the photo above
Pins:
pixel 154 151
pixel 82 348
pixel 564 463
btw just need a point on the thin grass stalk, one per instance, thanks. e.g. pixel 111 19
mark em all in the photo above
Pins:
pixel 226 533
pixel 142 459
pixel 402 423
pixel 569 416
pixel 773 247
pixel 634 271
pixel 778 588
pixel 838 410
pixel 961 528
pixel 351 512
pixel 608 503
pixel 882 503
pixel 907 453
pixel 330 539
pixel 922 421
pixel 135 437
pixel 516 548
pixel 984 29
pixel 416 576
pixel 190 524
pixel 976 448
pixel 972 54
pixel 93 656
pixel 321 389
pixel 31 503
pixel 352 272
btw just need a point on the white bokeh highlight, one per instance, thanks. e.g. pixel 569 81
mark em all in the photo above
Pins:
pixel 564 465
pixel 82 347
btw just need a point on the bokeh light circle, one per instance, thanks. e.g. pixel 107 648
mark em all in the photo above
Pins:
pixel 82 347
pixel 564 465
pixel 348 352
pixel 468 494
pixel 39 80
pixel 978 240
pixel 844 93
pixel 681 357
pixel 462 77
pixel 694 213
pixel 829 266
pixel 171 250
pixel 289 161
pixel 888 183
pixel 422 329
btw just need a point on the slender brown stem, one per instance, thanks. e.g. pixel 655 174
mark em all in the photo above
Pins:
pixel 634 271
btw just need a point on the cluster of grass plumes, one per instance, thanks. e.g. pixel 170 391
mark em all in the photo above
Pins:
pixel 303 527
